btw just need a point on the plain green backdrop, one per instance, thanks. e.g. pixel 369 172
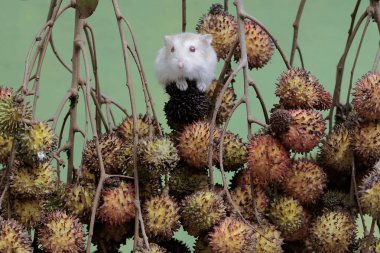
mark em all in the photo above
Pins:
pixel 323 33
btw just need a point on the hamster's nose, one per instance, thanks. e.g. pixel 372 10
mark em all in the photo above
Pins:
pixel 180 64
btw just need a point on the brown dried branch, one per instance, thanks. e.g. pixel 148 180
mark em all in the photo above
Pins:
pixel 296 24
pixel 377 59
pixel 183 15
pixel 353 18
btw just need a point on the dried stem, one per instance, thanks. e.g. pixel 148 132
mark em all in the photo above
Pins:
pixel 296 24
pixel 261 100
pixel 226 5
pixel 355 188
pixel 183 15
pixel 377 59
pixel 353 17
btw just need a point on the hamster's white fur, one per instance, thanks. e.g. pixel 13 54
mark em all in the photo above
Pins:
pixel 186 56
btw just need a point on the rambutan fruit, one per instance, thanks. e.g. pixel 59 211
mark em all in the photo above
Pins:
pixel 234 152
pixel 228 102
pixel 154 248
pixel 222 27
pixel 5 148
pixel 125 129
pixel 28 212
pixel 268 160
pixel 109 238
pixel 37 142
pixel 336 152
pixel 242 197
pixel 161 217
pixel 259 46
pixel 366 142
pixel 60 233
pixel 11 115
pixel 369 193
pixel 366 98
pixel 14 238
pixel 117 204
pixel 368 244
pixel 79 199
pixel 336 201
pixel 175 246
pixel 305 181
pixel 5 92
pixel 193 144
pixel 201 211
pixel 265 239
pixel 333 232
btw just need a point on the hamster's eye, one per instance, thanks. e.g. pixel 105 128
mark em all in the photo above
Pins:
pixel 192 49
pixel 172 50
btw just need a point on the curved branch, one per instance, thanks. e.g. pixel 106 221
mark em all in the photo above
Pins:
pixel 295 32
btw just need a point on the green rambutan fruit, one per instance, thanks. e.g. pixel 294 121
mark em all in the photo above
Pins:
pixel 222 27
pixel 117 204
pixel 336 152
pixel 175 246
pixel 11 115
pixel 268 161
pixel 79 199
pixel 333 232
pixel 154 248
pixel 61 233
pixel 193 144
pixel 259 46
pixel 125 129
pixel 265 239
pixel 366 98
pixel 369 193
pixel 366 142
pixel 161 217
pixel 108 238
pixel 305 181
pixel 14 238
pixel 201 211
pixel 234 152
pixel 28 212
pixel 228 102
pixel 336 201
pixel 5 148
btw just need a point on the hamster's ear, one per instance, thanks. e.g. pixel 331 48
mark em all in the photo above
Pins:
pixel 207 38
pixel 167 40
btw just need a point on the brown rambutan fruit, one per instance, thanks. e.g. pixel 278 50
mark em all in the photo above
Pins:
pixel 109 238
pixel 14 238
pixel 366 142
pixel 369 193
pixel 336 201
pixel 5 92
pixel 175 246
pixel 265 238
pixel 234 152
pixel 79 199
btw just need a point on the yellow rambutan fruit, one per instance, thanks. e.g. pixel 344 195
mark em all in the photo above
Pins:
pixel 366 141
pixel 369 193
pixel 234 152
pixel 161 217
pixel 222 27
pixel 79 199
pixel 28 212
pixel 366 98
pixel 265 239
pixel 117 204
pixel 268 160
pixel 125 129
pixel 193 144
pixel 11 115
pixel 61 233
pixel 14 238
pixel 305 181
pixel 5 147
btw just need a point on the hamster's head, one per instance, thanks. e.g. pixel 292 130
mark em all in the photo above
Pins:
pixel 187 53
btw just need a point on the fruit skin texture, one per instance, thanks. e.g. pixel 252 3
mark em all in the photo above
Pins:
pixel 369 193
pixel 5 148
pixel 11 115
pixel 366 98
pixel 125 129
pixel 268 160
pixel 28 212
pixel 222 27
pixel 366 141
pixel 305 181
pixel 79 199
pixel 161 217
pixel 14 238
pixel 154 248
pixel 234 152
pixel 109 238
pixel 61 233
pixel 266 239
pixel 333 232
pixel 193 144
pixel 201 211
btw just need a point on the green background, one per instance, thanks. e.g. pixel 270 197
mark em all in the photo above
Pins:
pixel 323 33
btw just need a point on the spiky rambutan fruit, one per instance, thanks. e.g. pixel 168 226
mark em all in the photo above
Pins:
pixel 61 233
pixel 38 142
pixel 14 238
pixel 369 193
pixel 234 152
pixel 368 244
pixel 366 98
pixel 79 199
pixel 229 236
pixel 265 239
pixel 55 200
pixel 268 160
pixel 5 147
pixel 113 150
pixel 154 248
pixel 366 141
pixel 333 232
pixel 297 88
pixel 228 102
pixel 185 181
pixel 336 152
pixel 202 245
pixel 117 204
pixel 336 201
pixel 305 181
pixel 36 180
pixel 109 238
pixel 242 197
pixel 280 121
pixel 222 27
pixel 305 130
pixel 259 46
pixel 193 144
pixel 186 107
pixel 161 217
pixel 5 92
pixel 28 212
pixel 158 155
pixel 11 115
pixel 175 246
pixel 287 214
pixel 125 129
pixel 201 211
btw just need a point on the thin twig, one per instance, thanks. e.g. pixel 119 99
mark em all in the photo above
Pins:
pixel 353 178
pixel 183 15
pixel 377 59
pixel 261 100
pixel 296 24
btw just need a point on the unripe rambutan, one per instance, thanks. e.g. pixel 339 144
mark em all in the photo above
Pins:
pixel 161 217
pixel 366 98
pixel 333 232
pixel 11 115
pixel 336 201
pixel 369 194
pixel 79 199
pixel 125 129
pixel 37 142
pixel 234 152
pixel 242 197
pixel 266 239
pixel 27 212
pixel 154 248
pixel 201 211
pixel 268 160
pixel 5 148
pixel 222 27
pixel 193 144
pixel 118 204
pixel 14 238
pixel 366 141
pixel 305 181
pixel 61 233
pixel 336 152
pixel 228 102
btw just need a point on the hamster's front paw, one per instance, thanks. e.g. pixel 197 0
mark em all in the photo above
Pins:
pixel 202 86
pixel 182 84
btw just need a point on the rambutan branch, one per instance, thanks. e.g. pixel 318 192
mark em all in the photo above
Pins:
pixel 261 100
pixel 296 24
pixel 183 15
pixel 353 18
pixel 225 5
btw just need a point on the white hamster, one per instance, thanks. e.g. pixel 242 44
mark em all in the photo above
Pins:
pixel 186 56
